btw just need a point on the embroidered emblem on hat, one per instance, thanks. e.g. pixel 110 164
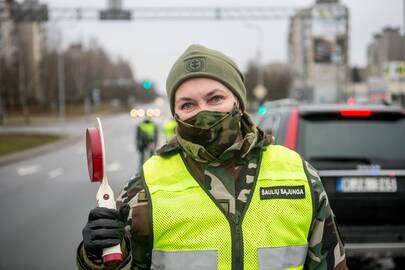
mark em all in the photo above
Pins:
pixel 195 64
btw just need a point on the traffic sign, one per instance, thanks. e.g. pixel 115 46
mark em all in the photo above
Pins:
pixel 115 14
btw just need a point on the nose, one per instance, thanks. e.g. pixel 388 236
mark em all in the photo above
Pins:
pixel 203 107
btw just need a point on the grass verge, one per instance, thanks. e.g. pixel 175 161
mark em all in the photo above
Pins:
pixel 14 142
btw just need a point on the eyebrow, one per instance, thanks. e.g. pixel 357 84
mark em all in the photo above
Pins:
pixel 185 99
pixel 208 95
pixel 213 92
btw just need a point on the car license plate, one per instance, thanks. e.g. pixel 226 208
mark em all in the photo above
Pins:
pixel 366 184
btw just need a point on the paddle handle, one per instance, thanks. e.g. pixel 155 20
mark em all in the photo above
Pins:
pixel 105 198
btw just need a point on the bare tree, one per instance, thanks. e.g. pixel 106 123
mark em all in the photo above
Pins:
pixel 50 79
pixel 277 80
pixel 88 68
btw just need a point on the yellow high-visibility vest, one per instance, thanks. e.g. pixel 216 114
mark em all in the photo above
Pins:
pixel 148 130
pixel 168 129
pixel 191 231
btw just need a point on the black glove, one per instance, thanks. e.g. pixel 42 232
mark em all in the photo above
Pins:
pixel 104 228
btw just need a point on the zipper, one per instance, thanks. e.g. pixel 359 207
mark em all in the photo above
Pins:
pixel 237 242
pixel 235 222
pixel 237 237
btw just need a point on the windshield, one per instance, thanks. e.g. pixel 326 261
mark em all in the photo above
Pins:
pixel 353 140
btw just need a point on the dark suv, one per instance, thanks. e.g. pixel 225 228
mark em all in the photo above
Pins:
pixel 359 152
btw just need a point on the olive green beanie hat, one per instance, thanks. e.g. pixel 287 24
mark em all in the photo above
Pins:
pixel 199 61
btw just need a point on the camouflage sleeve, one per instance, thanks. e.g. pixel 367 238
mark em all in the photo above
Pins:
pixel 85 263
pixel 137 246
pixel 325 248
pixel 130 190
pixel 138 225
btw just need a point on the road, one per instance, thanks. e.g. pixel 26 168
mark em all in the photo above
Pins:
pixel 44 201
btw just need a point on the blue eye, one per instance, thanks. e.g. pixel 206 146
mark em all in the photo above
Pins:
pixel 216 98
pixel 186 106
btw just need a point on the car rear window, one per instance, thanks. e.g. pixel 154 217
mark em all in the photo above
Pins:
pixel 371 140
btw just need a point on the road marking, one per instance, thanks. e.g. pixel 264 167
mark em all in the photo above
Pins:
pixel 55 173
pixel 113 167
pixel 27 170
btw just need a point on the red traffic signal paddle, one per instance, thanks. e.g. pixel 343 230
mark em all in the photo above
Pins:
pixel 105 195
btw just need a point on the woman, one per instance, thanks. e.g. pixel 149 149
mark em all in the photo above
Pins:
pixel 219 195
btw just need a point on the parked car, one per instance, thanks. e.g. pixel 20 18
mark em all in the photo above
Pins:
pixel 359 152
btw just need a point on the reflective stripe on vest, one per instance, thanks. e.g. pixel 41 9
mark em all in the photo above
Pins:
pixel 191 232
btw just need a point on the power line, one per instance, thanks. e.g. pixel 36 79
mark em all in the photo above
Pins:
pixel 166 13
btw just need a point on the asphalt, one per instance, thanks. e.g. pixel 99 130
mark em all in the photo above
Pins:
pixel 45 200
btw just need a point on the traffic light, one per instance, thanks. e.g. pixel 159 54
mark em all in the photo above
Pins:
pixel 261 110
pixel 147 85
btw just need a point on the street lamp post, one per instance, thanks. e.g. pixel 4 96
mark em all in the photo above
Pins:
pixel 258 52
pixel 260 91
pixel 61 76
pixel 401 95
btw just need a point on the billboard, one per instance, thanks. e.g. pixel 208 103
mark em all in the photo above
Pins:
pixel 329 31
pixel 377 88
pixel 394 70
pixel 323 50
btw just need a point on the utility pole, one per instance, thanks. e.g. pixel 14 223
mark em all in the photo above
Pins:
pixel 258 52
pixel 81 70
pixel 260 91
pixel 61 85
pixel 115 4
pixel 60 60
pixel 2 110
pixel 260 75
pixel 339 93
pixel 402 79
pixel 22 85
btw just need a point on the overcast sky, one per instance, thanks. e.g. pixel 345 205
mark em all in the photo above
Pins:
pixel 152 47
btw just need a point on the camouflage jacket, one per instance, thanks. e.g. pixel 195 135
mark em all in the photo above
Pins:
pixel 218 177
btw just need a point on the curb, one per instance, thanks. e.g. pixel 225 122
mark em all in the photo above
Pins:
pixel 39 150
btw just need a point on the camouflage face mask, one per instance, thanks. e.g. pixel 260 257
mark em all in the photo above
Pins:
pixel 215 131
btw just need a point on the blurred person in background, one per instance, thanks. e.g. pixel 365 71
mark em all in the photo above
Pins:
pixel 219 194
pixel 146 138
pixel 169 129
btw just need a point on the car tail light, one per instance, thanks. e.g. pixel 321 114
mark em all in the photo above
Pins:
pixel 291 137
pixel 355 113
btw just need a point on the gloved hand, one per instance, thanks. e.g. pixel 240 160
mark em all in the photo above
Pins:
pixel 104 228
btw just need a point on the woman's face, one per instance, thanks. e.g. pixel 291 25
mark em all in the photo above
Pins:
pixel 202 94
